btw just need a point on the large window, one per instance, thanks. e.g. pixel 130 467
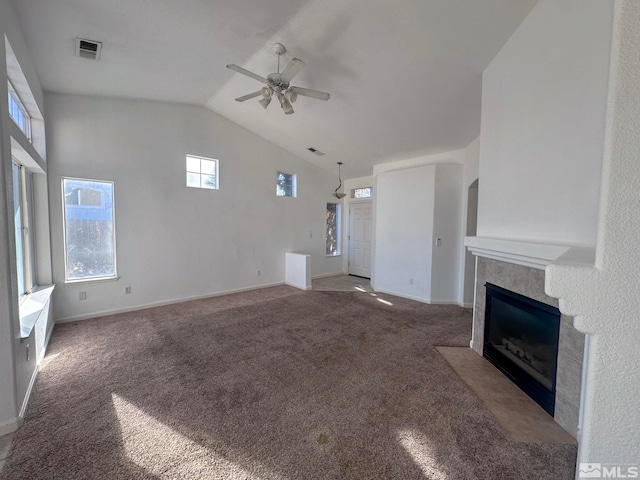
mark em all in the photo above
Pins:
pixel 89 229
pixel 286 184
pixel 18 113
pixel 24 232
pixel 333 229
pixel 202 172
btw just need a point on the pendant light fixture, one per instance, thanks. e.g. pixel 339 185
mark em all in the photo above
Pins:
pixel 338 194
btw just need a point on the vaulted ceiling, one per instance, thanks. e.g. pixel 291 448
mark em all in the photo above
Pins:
pixel 404 76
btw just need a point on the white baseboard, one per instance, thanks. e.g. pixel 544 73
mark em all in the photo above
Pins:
pixel 301 287
pixel 10 426
pixel 27 395
pixel 465 305
pixel 162 303
pixel 418 299
pixel 326 275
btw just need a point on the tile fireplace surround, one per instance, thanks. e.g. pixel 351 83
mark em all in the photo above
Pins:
pixel 529 281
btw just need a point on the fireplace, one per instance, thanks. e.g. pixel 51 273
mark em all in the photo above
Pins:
pixel 521 339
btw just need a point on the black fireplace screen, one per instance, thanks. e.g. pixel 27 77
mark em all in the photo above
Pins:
pixel 521 339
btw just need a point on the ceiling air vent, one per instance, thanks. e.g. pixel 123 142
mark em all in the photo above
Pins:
pixel 315 151
pixel 89 49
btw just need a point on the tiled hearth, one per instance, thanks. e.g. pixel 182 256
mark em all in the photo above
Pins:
pixel 529 282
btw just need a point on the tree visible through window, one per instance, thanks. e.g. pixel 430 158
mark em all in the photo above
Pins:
pixel 333 229
pixel 202 172
pixel 89 229
pixel 286 184
pixel 362 192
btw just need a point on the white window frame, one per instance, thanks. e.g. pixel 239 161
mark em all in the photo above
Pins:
pixel 15 98
pixel 28 266
pixel 200 159
pixel 338 231
pixel 64 234
pixel 294 185
pixel 354 190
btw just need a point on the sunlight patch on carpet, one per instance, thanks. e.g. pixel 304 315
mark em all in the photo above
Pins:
pixel 417 445
pixel 165 453
pixel 48 359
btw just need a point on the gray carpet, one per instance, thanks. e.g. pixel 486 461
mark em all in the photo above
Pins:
pixel 270 384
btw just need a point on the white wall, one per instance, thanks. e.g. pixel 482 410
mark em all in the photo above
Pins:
pixel 175 242
pixel 469 226
pixel 543 112
pixel 605 297
pixel 445 273
pixel 403 231
pixel 452 270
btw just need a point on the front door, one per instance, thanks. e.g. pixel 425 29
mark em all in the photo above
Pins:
pixel 360 215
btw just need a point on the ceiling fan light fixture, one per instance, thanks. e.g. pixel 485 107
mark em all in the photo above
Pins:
pixel 291 96
pixel 286 106
pixel 278 84
pixel 265 102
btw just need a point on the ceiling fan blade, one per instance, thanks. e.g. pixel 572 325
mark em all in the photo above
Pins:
pixel 306 92
pixel 292 69
pixel 249 96
pixel 246 72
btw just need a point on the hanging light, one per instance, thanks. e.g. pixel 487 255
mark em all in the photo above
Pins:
pixel 336 193
pixel 266 92
pixel 291 95
pixel 286 105
pixel 265 102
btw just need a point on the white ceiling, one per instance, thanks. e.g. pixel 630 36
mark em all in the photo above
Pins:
pixel 404 76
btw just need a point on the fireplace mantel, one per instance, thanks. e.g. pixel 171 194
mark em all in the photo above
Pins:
pixel 528 254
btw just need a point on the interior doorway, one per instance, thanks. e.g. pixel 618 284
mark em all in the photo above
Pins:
pixel 359 238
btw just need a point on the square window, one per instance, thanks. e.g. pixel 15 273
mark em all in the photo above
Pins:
pixel 286 184
pixel 202 172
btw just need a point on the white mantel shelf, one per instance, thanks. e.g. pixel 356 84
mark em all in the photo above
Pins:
pixel 534 255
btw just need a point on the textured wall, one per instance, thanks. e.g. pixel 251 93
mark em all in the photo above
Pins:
pixel 605 298
pixel 530 283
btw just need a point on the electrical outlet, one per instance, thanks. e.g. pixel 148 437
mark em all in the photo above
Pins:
pixel 82 296
pixel 127 290
pixel 438 242
pixel 411 281
pixel 258 272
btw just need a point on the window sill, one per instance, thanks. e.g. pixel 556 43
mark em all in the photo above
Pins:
pixel 92 279
pixel 336 255
pixel 31 308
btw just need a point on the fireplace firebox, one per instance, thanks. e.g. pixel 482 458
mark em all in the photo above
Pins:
pixel 521 339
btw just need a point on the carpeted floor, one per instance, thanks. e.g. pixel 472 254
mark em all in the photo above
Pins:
pixel 270 384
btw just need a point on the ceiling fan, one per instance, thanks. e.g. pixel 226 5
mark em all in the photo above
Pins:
pixel 278 84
